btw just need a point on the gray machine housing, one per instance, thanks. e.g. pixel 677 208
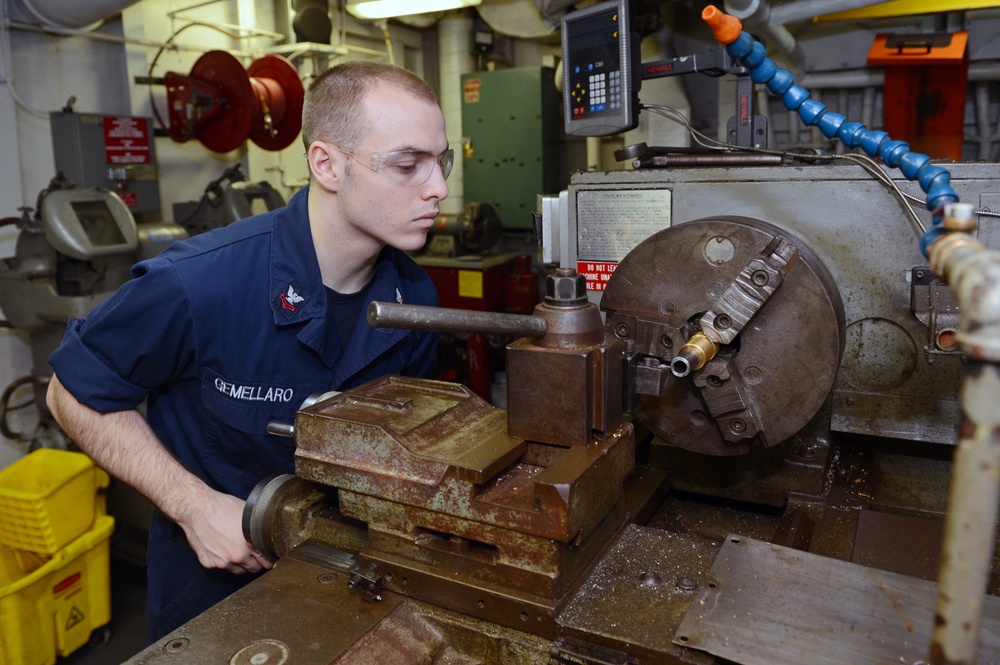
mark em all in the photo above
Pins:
pixel 65 266
pixel 893 380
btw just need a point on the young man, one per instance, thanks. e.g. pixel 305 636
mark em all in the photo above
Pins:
pixel 224 332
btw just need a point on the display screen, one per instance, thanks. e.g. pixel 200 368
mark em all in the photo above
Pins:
pixel 595 75
pixel 98 223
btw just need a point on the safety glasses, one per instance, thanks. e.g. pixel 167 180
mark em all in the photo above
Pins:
pixel 407 167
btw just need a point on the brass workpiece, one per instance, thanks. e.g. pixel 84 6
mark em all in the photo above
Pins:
pixel 697 351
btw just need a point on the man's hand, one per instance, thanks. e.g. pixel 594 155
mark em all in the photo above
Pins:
pixel 122 443
pixel 214 528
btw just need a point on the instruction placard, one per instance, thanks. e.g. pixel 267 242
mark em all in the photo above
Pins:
pixel 611 222
pixel 598 274
pixel 126 140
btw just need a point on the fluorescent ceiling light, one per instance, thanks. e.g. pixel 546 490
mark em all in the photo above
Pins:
pixel 372 9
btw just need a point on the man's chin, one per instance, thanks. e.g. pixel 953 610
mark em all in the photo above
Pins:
pixel 411 244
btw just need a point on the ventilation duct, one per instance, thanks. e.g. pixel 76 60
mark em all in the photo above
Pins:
pixel 70 14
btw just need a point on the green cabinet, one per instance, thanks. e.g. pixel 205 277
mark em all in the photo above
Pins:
pixel 512 127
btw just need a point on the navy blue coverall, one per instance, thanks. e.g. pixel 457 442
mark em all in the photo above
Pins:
pixel 220 334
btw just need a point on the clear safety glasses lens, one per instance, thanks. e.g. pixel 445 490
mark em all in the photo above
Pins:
pixel 412 167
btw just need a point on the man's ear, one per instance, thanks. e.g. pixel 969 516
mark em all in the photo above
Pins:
pixel 326 165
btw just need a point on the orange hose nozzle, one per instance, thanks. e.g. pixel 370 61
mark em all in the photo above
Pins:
pixel 726 28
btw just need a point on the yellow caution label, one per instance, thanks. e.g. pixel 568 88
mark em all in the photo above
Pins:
pixel 75 617
pixel 470 284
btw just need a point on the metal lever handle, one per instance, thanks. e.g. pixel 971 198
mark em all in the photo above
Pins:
pixel 279 428
pixel 442 319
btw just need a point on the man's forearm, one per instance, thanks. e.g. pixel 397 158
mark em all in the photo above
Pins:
pixel 124 445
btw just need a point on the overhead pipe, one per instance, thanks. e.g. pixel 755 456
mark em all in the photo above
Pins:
pixel 455 59
pixel 760 12
pixel 979 72
pixel 757 14
pixel 804 10
pixel 868 107
pixel 786 44
pixel 113 39
pixel 985 138
pixel 72 14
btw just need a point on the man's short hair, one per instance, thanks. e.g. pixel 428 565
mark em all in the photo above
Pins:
pixel 334 104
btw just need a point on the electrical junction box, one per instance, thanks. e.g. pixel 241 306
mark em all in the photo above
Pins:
pixel 511 124
pixel 116 153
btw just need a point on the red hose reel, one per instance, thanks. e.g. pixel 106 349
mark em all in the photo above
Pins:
pixel 222 104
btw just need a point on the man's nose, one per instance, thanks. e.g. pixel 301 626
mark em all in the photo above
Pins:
pixel 436 186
